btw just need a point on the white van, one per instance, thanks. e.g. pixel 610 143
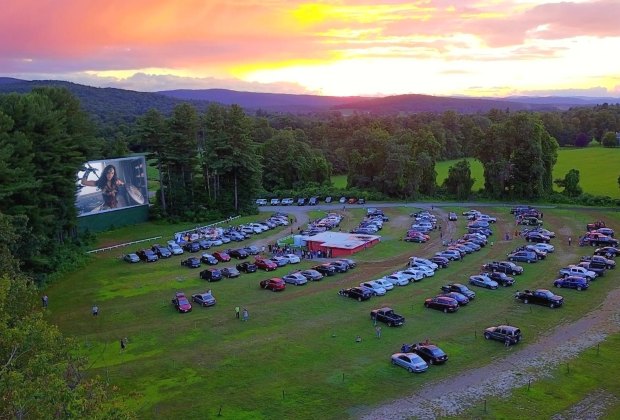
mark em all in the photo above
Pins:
pixel 287 201
pixel 275 201
pixel 261 202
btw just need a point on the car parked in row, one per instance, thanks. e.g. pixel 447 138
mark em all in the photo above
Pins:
pixel 230 272
pixel 429 352
pixel 247 267
pixel 482 280
pixel 312 275
pixel 540 297
pixel 572 282
pixel 357 293
pixel 295 278
pixel 410 361
pixel 211 274
pixel 459 288
pixel 131 258
pixel 191 262
pixel 147 255
pixel 274 284
pixel 507 334
pixel 204 299
pixel 442 303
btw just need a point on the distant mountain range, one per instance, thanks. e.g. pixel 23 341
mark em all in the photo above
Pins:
pixel 109 104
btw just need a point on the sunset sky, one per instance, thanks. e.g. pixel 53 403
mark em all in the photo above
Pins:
pixel 335 47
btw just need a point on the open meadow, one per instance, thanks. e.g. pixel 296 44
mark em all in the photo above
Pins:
pixel 297 357
pixel 588 161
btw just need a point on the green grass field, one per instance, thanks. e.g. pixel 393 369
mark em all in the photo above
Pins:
pixel 598 167
pixel 296 357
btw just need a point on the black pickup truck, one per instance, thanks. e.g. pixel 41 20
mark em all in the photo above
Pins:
pixel 540 297
pixel 600 261
pixel 388 316
pixel 506 267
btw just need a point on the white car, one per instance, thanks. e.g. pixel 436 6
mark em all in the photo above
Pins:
pixel 175 248
pixel 261 228
pixel 424 261
pixel 297 279
pixel 287 201
pixel 544 247
pixel 413 274
pixel 292 258
pixel 486 218
pixel 397 280
pixel 377 289
pixel 424 269
pixel 386 284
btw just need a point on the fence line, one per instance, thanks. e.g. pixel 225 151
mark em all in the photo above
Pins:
pixel 107 248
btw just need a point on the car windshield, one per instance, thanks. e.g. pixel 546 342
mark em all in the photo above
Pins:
pixel 183 301
pixel 437 352
pixel 546 293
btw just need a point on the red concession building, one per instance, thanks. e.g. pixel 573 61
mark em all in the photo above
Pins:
pixel 340 244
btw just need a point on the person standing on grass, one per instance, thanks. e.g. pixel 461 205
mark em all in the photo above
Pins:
pixel 378 331
pixel 95 310
pixel 570 240
pixel 246 314
pixel 237 312
pixel 123 344
pixel 44 301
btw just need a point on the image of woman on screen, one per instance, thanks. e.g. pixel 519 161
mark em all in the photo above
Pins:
pixel 108 183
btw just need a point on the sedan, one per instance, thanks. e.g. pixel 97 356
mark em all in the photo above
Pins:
pixel 377 289
pixel 544 247
pixel 385 284
pixel 312 275
pixel 483 281
pixel 221 256
pixel 191 262
pixel 279 261
pixel 147 255
pixel 450 254
pixel 292 258
pixel 410 361
pixel 413 274
pixel 460 298
pixel 424 269
pixel 209 259
pixel 397 279
pixel 297 279
pixel 441 262
pixel 239 253
pixel 266 265
pixel 339 266
pixel 247 267
pixel 181 303
pixel 230 272
pixel 175 248
pixel 501 278
pixel 192 247
pixel 204 299
pixel 132 258
pixel 325 269
pixel 442 303
pixel 274 284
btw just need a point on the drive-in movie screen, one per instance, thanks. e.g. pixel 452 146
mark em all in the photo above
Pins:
pixel 106 185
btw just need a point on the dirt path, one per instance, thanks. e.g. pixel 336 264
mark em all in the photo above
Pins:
pixel 450 397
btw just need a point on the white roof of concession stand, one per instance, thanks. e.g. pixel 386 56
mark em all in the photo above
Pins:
pixel 341 239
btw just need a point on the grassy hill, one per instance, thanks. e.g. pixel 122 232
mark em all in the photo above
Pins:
pixel 598 167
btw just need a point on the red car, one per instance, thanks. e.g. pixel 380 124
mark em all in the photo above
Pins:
pixel 181 303
pixel 221 256
pixel 443 303
pixel 275 284
pixel 266 265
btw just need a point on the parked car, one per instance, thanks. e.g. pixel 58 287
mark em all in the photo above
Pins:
pixel 460 288
pixel 132 258
pixel 339 266
pixel 191 247
pixel 191 262
pixel 503 267
pixel 429 352
pixel 247 267
pixel 398 279
pixel 450 254
pixel 483 281
pixel 204 299
pixel 238 253
pixel 544 247
pixel 279 261
pixel 501 278
pixel 607 251
pixel 599 260
pixel 411 274
pixel 275 284
pixel 161 251
pixel 342 200
pixel 452 216
pixel 410 361
pixel 204 243
pixel 385 284
pixel 175 248
pixel 388 316
pixel 415 236
pixel 442 262
pixel 252 250
pixel 377 289
pixel 523 256
pixel 442 303
pixel 328 200
pixel 209 259
pixel 221 256
pixel 230 272
pixel 357 293
pixel 287 202
pixel 349 262
pixel 296 278
pixel 597 269
pixel 507 334
pixel 325 269
pixel 147 255
pixel 265 264
pixel 460 298
pixel 536 237
pixel 181 303
pixel 211 274
pixel 275 202
pixel 572 282
pixel 292 258
pixel 540 297
pixel 575 270
pixel 312 275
